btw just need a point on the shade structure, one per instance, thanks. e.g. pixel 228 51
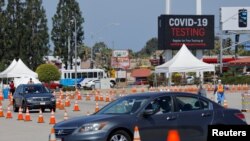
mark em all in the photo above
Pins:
pixel 184 61
pixel 18 69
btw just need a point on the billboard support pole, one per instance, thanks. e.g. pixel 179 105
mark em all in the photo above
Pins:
pixel 199 52
pixel 168 53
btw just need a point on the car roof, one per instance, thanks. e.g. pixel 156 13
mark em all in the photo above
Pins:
pixel 30 85
pixel 157 94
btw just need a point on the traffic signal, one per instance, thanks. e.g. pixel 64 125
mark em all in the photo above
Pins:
pixel 228 42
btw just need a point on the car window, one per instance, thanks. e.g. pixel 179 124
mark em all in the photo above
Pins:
pixel 185 103
pixel 125 106
pixel 161 105
pixel 35 89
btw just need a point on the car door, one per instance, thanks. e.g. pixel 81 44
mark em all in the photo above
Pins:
pixel 156 126
pixel 18 96
pixel 194 116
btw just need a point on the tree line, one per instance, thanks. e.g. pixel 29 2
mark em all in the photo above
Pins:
pixel 24 31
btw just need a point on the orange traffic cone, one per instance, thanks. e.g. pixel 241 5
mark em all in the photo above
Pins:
pixel 87 97
pixel 107 98
pixel 173 135
pixel 76 107
pixel 1 111
pixel 40 117
pixel 9 114
pixel 136 134
pixel 52 118
pixel 96 107
pixel 27 115
pixel 61 106
pixel 1 96
pixel 52 136
pixel 101 98
pixel 58 103
pixel 20 114
pixel 65 115
pixel 67 102
pixel 79 97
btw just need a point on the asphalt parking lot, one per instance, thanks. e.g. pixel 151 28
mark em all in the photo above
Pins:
pixel 13 129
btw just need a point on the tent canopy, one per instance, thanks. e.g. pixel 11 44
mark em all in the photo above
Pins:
pixel 13 63
pixel 184 61
pixel 19 69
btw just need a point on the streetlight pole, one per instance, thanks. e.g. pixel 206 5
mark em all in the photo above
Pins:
pixel 75 53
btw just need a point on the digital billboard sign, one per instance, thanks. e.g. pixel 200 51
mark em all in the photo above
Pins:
pixel 196 31
pixel 235 18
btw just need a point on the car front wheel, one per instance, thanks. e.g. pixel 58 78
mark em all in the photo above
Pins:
pixel 120 135
pixel 15 108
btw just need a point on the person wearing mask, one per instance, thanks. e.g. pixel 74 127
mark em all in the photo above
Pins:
pixel 219 90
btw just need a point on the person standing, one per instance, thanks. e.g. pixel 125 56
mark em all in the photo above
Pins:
pixel 202 91
pixel 220 90
pixel 12 87
pixel 30 81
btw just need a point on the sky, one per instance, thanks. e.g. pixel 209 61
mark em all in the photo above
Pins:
pixel 129 24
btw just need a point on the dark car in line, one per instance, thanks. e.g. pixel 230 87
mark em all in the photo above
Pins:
pixel 33 96
pixel 155 114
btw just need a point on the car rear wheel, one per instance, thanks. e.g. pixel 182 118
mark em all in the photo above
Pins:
pixel 120 135
pixel 15 107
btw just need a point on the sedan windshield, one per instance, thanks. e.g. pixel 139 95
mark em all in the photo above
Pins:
pixel 127 105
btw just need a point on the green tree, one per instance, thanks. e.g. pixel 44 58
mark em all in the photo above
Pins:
pixel 15 30
pixel 63 29
pixel 48 72
pixel 150 47
pixel 2 35
pixel 84 52
pixel 36 35
pixel 102 55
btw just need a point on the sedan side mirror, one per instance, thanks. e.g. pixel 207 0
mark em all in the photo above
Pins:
pixel 148 112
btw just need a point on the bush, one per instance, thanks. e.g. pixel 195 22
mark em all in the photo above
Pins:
pixel 48 72
pixel 68 88
pixel 236 80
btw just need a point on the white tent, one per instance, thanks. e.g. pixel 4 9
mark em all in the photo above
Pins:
pixel 18 70
pixel 13 63
pixel 184 61
pixel 25 80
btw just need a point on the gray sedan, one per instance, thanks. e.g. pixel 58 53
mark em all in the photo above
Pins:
pixel 155 114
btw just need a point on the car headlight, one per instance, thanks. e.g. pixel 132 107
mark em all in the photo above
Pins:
pixel 52 99
pixel 29 100
pixel 92 127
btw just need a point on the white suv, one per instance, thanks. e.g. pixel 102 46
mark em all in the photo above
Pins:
pixel 91 84
pixel 190 80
